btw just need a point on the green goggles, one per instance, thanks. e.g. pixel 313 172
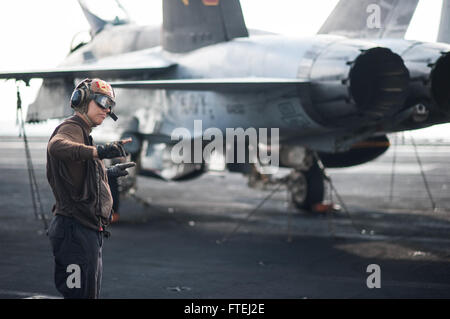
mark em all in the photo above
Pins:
pixel 104 101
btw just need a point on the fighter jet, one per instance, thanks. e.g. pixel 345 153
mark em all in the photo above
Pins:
pixel 327 100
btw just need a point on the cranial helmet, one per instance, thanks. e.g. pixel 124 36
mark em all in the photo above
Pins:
pixel 93 89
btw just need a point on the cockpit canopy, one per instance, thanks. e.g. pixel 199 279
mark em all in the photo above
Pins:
pixel 100 13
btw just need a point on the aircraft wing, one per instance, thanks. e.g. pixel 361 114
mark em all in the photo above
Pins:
pixel 370 18
pixel 58 83
pixel 236 85
pixel 84 71
pixel 139 63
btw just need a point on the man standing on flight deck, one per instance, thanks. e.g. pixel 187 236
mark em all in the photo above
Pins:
pixel 79 182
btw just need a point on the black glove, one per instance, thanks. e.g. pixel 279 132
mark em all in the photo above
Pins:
pixel 119 169
pixel 111 150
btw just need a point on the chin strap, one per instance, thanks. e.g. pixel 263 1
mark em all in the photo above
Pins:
pixel 86 117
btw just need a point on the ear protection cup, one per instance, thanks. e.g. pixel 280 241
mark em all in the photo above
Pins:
pixel 81 93
pixel 77 98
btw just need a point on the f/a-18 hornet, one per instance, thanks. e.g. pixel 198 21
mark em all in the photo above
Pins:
pixel 202 83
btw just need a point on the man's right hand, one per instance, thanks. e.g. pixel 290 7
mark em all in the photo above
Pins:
pixel 112 150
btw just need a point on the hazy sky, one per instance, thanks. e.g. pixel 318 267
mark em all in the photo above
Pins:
pixel 38 34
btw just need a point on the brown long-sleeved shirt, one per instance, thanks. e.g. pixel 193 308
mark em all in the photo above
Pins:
pixel 79 181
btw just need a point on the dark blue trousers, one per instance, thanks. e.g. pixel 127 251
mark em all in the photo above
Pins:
pixel 78 258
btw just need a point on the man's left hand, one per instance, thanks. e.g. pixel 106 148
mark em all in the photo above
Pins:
pixel 119 169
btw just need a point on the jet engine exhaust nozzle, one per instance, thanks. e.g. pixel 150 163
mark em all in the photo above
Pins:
pixel 378 83
pixel 440 82
pixel 353 83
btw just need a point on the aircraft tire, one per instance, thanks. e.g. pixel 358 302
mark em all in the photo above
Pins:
pixel 315 189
